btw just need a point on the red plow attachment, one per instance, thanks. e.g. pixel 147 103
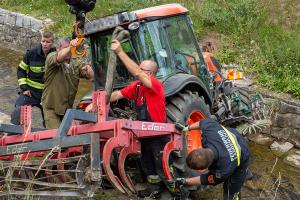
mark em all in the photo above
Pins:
pixel 77 158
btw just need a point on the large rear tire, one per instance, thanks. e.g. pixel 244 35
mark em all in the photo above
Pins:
pixel 186 108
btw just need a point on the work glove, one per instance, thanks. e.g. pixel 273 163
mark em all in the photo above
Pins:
pixel 181 127
pixel 176 183
pixel 185 129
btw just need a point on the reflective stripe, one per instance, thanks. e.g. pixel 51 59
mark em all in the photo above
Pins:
pixel 235 144
pixel 34 84
pixel 37 69
pixel 236 196
pixel 22 81
pixel 23 65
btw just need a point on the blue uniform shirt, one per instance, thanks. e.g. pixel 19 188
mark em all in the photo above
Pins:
pixel 225 156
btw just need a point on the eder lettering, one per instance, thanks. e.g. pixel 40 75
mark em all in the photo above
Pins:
pixel 149 126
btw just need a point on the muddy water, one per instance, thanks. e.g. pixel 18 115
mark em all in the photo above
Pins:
pixel 9 61
pixel 273 179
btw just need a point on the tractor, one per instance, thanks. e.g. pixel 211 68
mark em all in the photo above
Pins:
pixel 90 151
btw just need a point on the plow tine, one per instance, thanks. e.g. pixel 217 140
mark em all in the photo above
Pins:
pixel 121 165
pixel 107 151
pixel 169 147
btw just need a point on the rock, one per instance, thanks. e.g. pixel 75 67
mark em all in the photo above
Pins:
pixel 295 137
pixel 266 131
pixel 280 148
pixel 293 158
pixel 287 108
pixel 281 133
pixel 261 139
pixel 4 118
pixel 47 24
pixel 10 19
pixel 19 21
pixel 286 120
pixel 244 83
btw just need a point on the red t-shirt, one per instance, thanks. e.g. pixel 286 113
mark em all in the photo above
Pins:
pixel 155 98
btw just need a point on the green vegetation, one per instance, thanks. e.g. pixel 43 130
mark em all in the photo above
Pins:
pixel 261 35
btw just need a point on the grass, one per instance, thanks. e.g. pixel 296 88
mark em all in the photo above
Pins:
pixel 261 35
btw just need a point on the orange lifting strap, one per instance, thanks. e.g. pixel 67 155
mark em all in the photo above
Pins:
pixel 80 37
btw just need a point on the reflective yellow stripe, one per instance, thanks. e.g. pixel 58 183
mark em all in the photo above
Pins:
pixel 23 65
pixel 235 145
pixel 22 81
pixel 37 69
pixel 34 84
pixel 236 196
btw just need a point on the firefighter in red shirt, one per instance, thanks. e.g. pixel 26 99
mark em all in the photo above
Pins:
pixel 148 93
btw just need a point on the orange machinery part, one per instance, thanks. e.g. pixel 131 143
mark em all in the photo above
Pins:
pixel 211 67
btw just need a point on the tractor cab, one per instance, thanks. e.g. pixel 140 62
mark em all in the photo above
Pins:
pixel 162 33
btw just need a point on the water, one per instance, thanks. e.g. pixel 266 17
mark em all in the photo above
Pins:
pixel 273 179
pixel 9 61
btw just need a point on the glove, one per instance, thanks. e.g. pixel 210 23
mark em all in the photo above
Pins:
pixel 182 127
pixel 186 128
pixel 177 183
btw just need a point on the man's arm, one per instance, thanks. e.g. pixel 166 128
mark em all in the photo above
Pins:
pixel 180 182
pixel 193 181
pixel 87 72
pixel 131 66
pixel 63 54
pixel 204 179
pixel 116 95
pixel 22 74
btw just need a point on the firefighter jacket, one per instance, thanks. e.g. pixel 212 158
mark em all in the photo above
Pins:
pixel 31 70
pixel 230 150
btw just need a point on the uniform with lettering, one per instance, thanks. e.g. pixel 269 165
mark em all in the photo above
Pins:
pixel 231 157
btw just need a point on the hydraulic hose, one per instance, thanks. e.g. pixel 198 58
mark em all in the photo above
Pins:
pixel 121 35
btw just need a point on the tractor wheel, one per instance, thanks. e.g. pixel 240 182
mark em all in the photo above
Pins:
pixel 186 108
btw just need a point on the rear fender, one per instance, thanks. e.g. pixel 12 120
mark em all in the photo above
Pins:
pixel 178 82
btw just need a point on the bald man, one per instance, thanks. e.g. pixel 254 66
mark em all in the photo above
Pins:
pixel 148 93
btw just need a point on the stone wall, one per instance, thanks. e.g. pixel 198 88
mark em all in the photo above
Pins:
pixel 283 136
pixel 286 122
pixel 18 31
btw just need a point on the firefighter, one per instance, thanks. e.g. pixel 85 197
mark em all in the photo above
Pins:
pixel 148 94
pixel 61 81
pixel 30 75
pixel 225 154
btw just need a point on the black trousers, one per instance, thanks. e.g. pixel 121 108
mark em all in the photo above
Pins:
pixel 152 155
pixel 232 186
pixel 22 101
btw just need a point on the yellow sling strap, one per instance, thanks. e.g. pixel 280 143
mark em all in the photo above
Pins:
pixel 235 145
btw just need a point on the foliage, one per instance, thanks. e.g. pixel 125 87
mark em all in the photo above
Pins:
pixel 261 35
pixel 268 47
